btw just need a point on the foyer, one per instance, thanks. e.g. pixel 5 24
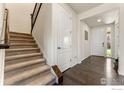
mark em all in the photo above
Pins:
pixel 85 42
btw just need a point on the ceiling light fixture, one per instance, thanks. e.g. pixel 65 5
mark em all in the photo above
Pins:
pixel 99 20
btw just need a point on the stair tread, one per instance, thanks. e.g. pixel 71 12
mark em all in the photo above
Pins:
pixel 21 56
pixel 11 44
pixel 42 80
pixel 17 39
pixel 19 33
pixel 18 36
pixel 21 49
pixel 22 64
pixel 26 74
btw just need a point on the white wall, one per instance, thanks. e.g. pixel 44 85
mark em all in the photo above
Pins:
pixel 2 51
pixel 74 56
pixel 45 32
pixel 2 60
pixel 19 16
pixel 113 45
pixel 116 36
pixel 121 40
pixel 84 44
pixel 42 32
pixel 1 17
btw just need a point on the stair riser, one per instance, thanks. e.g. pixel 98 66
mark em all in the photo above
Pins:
pixel 22 60
pixel 23 46
pixel 20 37
pixel 16 68
pixel 16 34
pixel 11 53
pixel 22 41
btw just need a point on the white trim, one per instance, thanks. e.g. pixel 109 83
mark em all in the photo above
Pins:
pixel 54 75
pixel 2 61
pixel 120 72
pixel 97 10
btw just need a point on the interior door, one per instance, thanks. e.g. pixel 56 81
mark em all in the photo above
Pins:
pixel 64 39
pixel 98 41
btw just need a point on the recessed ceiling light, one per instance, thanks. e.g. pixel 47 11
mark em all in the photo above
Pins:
pixel 99 20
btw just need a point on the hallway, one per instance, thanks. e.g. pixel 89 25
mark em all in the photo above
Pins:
pixel 93 71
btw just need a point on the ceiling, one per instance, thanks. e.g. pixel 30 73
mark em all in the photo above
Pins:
pixel 106 18
pixel 82 7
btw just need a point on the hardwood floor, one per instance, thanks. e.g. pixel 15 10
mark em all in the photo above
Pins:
pixel 93 71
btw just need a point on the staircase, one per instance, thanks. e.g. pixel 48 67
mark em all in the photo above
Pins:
pixel 24 63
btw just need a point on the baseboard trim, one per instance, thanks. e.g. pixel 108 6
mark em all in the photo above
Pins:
pixel 120 73
pixel 85 59
pixel 97 56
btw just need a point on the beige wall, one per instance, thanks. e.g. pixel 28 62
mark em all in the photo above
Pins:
pixel 19 16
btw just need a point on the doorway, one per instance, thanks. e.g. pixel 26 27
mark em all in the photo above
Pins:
pixel 103 34
pixel 98 41
pixel 109 44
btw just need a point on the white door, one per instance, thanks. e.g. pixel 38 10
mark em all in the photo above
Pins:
pixel 64 39
pixel 98 41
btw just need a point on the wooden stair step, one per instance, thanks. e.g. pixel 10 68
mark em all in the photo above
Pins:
pixel 13 40
pixel 10 62
pixel 22 45
pixel 21 56
pixel 23 39
pixel 40 79
pixel 26 74
pixel 19 51
pixel 22 64
pixel 16 33
pixel 44 80
pixel 20 36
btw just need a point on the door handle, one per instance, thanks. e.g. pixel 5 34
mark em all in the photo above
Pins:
pixel 58 47
pixel 103 44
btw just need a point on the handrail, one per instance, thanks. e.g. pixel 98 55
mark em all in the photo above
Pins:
pixel 5 41
pixel 35 14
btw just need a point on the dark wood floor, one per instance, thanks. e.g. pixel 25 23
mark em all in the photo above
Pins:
pixel 93 71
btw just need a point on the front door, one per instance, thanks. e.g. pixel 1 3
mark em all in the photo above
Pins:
pixel 98 42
